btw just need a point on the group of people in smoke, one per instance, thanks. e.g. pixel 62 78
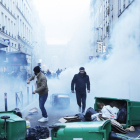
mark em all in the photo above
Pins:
pixel 50 74
pixel 80 81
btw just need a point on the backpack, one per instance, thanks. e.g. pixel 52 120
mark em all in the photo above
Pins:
pixel 90 111
pixel 122 114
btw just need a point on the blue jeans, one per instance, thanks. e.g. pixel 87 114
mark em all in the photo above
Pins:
pixel 42 100
pixel 81 98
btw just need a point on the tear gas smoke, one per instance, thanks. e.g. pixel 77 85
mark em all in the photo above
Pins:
pixel 118 76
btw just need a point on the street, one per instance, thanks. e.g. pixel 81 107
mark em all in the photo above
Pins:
pixel 82 55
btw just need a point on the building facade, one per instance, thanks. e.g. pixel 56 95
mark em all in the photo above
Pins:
pixel 17 29
pixel 104 15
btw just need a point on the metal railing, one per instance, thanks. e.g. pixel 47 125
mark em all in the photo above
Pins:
pixel 19 99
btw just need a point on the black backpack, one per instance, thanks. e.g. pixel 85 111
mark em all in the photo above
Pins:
pixel 90 111
pixel 122 114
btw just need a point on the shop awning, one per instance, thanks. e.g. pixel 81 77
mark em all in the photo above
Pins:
pixel 17 58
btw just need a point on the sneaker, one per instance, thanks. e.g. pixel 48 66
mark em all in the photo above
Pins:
pixel 79 109
pixel 83 113
pixel 43 119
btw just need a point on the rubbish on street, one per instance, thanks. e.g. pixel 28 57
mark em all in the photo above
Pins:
pixel 62 120
pixel 70 119
pixel 131 129
pixel 90 111
pixel 81 116
pixel 128 114
pixel 37 132
pixel 33 111
pixel 28 124
pixel 116 126
pixel 122 114
pixel 100 105
pixel 109 112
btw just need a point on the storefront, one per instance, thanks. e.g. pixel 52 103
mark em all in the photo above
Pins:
pixel 18 62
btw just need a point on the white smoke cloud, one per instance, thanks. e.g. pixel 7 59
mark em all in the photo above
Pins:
pixel 119 75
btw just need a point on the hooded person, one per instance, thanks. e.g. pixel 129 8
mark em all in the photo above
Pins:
pixel 81 82
pixel 42 89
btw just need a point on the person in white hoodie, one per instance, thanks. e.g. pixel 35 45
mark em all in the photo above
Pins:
pixel 41 89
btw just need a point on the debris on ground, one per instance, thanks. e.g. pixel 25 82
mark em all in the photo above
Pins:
pixel 37 132
pixel 33 111
pixel 131 129
pixel 28 124
pixel 106 113
pixel 90 111
pixel 69 119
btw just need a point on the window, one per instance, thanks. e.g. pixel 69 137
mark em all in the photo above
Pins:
pixel 119 7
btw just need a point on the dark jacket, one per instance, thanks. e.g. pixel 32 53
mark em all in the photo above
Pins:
pixel 48 73
pixel 81 82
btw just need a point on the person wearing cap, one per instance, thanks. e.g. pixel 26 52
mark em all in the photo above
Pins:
pixel 42 89
pixel 81 82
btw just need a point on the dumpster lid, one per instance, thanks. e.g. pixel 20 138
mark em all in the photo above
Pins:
pixel 111 98
pixel 63 96
pixel 12 114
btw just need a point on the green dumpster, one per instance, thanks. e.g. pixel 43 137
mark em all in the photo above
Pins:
pixel 15 126
pixel 81 131
pixel 133 109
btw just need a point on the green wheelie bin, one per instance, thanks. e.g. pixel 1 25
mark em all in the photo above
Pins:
pixel 81 131
pixel 133 108
pixel 12 127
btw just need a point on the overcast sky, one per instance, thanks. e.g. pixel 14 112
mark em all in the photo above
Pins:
pixel 61 18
